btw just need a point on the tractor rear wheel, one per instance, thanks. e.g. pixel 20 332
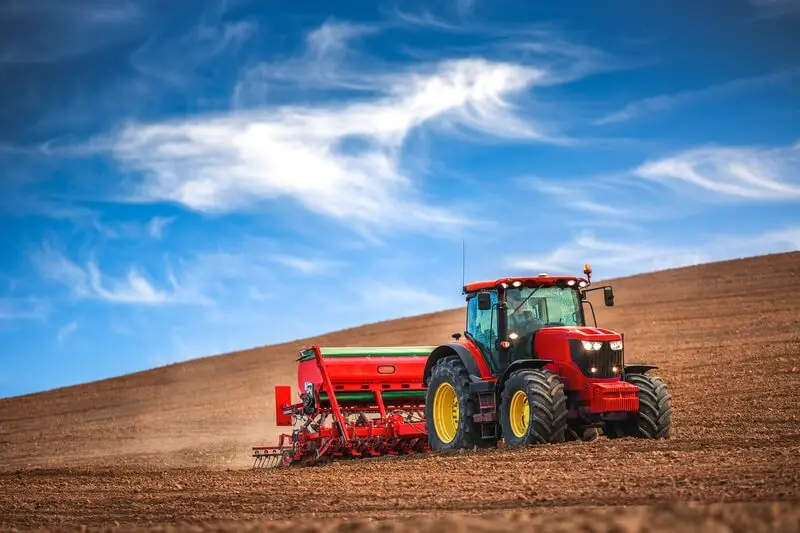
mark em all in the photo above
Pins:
pixel 654 419
pixel 449 407
pixel 533 408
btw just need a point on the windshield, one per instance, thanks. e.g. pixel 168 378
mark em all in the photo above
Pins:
pixel 533 308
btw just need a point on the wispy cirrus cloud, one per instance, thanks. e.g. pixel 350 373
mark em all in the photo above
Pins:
pixel 23 308
pixel 465 7
pixel 669 102
pixel 89 282
pixel 157 225
pixel 776 8
pixel 306 265
pixel 66 331
pixel 53 265
pixel 748 173
pixel 333 37
pixel 615 257
pixel 617 200
pixel 134 288
pixel 86 219
pixel 327 62
pixel 176 59
pixel 342 161
pixel 576 196
pixel 426 19
pixel 39 31
pixel 391 295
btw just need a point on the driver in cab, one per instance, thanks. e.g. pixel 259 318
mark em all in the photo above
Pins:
pixel 522 319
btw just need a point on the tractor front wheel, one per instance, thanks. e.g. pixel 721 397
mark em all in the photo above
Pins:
pixel 533 408
pixel 654 419
pixel 449 407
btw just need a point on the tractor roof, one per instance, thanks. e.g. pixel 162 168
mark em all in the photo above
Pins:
pixel 541 279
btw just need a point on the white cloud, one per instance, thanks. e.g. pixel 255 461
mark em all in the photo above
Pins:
pixel 668 102
pixel 55 266
pixel 176 60
pixel 426 19
pixel 327 62
pixel 155 228
pixel 66 331
pixel 135 288
pixel 576 197
pixel 740 172
pixel 258 295
pixel 465 7
pixel 342 161
pixel 614 258
pixel 90 282
pixel 22 308
pixel 58 30
pixel 400 299
pixel 332 37
pixel 775 8
pixel 306 265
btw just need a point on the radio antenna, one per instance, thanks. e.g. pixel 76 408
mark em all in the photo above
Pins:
pixel 463 265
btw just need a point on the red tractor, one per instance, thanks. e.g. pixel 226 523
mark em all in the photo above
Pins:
pixel 528 369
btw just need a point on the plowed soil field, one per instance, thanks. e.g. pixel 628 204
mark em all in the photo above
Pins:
pixel 168 449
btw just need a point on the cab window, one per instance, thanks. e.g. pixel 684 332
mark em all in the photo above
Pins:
pixel 482 326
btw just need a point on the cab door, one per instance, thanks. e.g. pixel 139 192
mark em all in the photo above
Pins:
pixel 482 327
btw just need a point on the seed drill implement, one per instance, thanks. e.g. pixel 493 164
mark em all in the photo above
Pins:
pixel 354 402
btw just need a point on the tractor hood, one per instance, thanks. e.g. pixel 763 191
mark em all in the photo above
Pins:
pixel 583 333
pixel 597 352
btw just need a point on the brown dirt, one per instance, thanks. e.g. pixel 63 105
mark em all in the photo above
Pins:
pixel 727 338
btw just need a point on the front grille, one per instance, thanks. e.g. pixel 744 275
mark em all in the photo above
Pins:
pixel 604 360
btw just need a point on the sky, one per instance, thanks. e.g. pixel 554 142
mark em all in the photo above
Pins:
pixel 210 176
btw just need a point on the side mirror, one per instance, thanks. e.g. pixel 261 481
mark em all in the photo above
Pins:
pixel 484 301
pixel 608 294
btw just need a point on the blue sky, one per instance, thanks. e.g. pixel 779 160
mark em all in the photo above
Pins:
pixel 222 175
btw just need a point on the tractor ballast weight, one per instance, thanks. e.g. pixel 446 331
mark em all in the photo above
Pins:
pixel 354 401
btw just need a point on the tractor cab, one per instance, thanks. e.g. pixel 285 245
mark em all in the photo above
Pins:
pixel 504 316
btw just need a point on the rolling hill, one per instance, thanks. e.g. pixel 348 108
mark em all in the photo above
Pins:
pixel 726 336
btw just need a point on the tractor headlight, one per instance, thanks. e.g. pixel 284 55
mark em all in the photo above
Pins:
pixel 591 346
pixel 616 345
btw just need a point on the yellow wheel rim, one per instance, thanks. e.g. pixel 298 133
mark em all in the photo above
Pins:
pixel 519 413
pixel 445 413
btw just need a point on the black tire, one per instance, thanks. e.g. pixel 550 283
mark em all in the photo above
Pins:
pixel 468 434
pixel 548 407
pixel 654 419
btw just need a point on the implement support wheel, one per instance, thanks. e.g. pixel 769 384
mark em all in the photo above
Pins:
pixel 533 408
pixel 449 407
